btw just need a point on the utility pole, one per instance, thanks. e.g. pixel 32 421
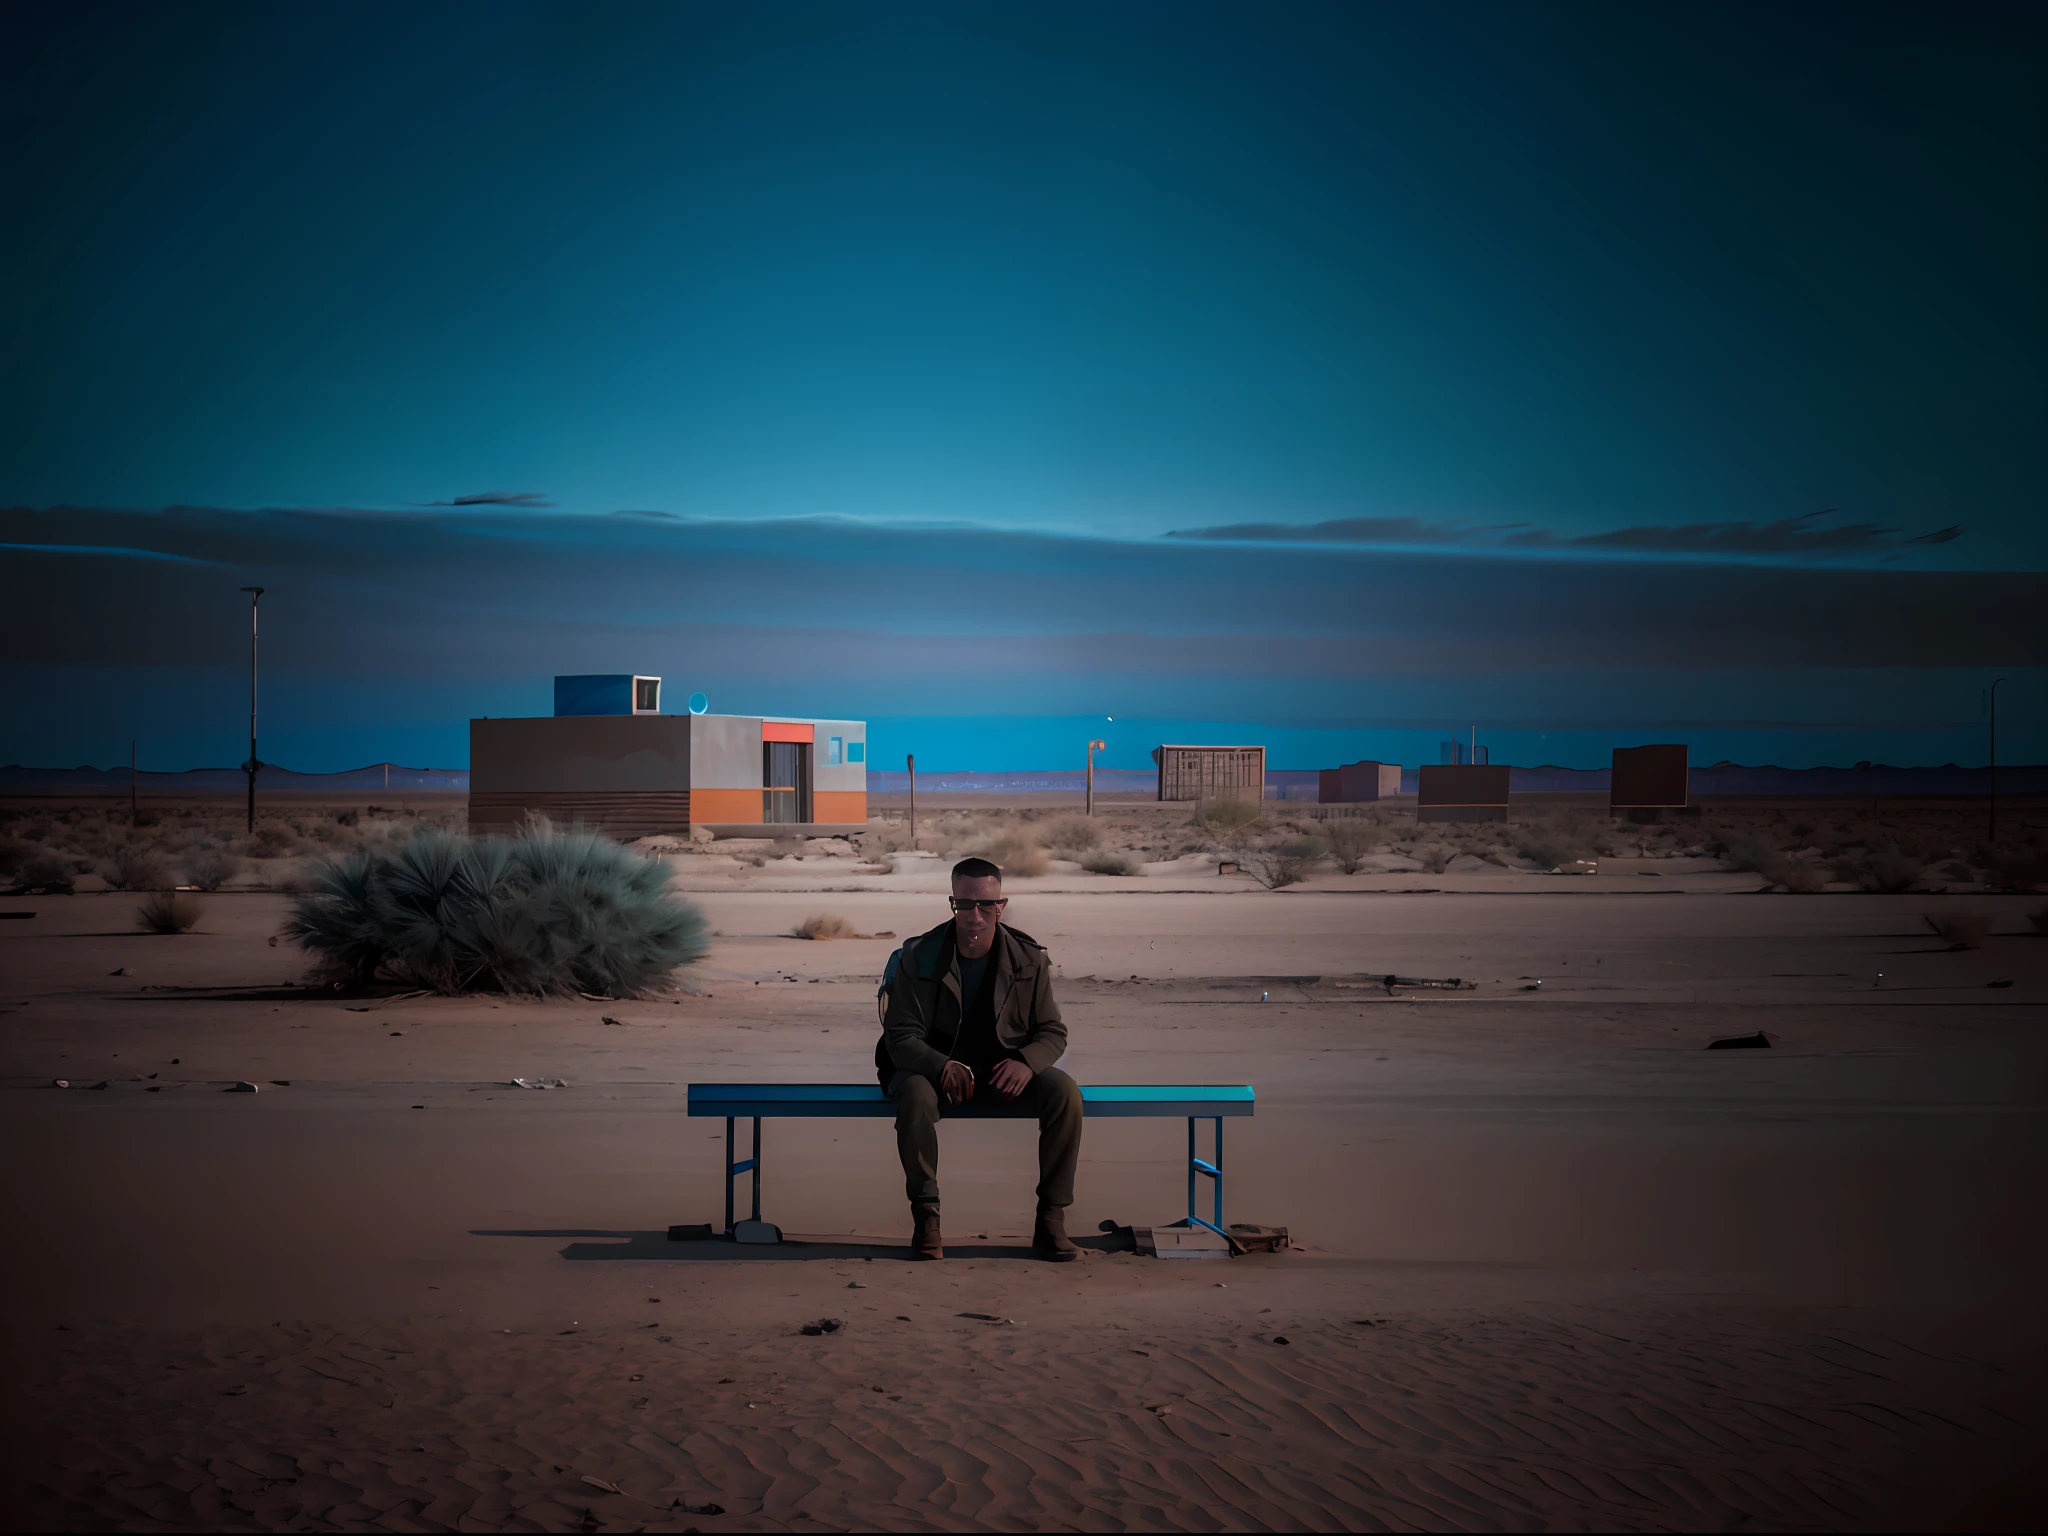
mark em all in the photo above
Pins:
pixel 253 765
pixel 910 762
pixel 1093 748
pixel 1991 833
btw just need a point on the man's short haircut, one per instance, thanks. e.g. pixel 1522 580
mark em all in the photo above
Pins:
pixel 976 869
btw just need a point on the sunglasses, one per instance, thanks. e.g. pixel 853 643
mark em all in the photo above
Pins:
pixel 963 904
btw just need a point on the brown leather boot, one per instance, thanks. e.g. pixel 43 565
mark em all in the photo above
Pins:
pixel 924 1236
pixel 1050 1238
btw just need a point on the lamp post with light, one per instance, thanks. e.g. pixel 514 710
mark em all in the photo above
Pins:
pixel 1093 748
pixel 251 766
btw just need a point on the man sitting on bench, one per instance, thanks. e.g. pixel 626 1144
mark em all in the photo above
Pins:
pixel 968 1014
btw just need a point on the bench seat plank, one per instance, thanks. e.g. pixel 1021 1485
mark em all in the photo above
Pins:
pixel 855 1101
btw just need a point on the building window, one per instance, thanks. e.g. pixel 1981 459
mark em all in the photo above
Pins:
pixel 856 751
pixel 835 750
pixel 646 695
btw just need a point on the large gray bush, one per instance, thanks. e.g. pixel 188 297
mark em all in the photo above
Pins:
pixel 543 912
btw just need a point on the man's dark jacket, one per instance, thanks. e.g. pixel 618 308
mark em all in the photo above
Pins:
pixel 921 1013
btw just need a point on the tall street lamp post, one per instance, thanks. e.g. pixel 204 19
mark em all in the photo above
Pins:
pixel 1093 748
pixel 251 766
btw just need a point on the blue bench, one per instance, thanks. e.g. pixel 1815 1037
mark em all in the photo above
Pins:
pixel 866 1101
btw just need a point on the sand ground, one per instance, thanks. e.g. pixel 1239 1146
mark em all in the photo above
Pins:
pixel 1559 1266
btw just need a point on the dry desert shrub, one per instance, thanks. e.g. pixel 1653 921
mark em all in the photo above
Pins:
pixel 2015 869
pixel 885 837
pixel 1963 928
pixel 169 912
pixel 213 868
pixel 272 841
pixel 1435 858
pixel 47 872
pixel 1797 874
pixel 539 913
pixel 1283 863
pixel 139 869
pixel 1351 841
pixel 1070 834
pixel 1105 862
pixel 14 853
pixel 1750 852
pixel 1890 871
pixel 1225 815
pixel 1010 846
pixel 823 925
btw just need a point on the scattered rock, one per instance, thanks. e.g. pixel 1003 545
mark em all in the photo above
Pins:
pixel 1756 1042
pixel 240 1088
pixel 698 1509
pixel 61 1082
pixel 122 971
pixel 855 1285
pixel 598 1482
pixel 1279 1338
pixel 822 1325
pixel 608 1019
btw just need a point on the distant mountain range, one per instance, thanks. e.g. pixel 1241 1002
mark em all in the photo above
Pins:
pixel 1874 779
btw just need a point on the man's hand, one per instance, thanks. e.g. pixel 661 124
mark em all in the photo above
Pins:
pixel 1010 1078
pixel 957 1082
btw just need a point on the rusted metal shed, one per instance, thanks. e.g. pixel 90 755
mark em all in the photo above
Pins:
pixel 1209 773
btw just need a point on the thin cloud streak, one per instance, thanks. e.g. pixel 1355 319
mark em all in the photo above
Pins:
pixel 1793 538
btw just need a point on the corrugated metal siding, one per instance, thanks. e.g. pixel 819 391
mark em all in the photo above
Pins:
pixel 621 815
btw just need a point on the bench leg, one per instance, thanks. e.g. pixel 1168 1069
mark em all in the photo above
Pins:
pixel 733 1170
pixel 1211 1170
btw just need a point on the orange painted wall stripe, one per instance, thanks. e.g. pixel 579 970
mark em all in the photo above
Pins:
pixel 838 805
pixel 722 805
pixel 787 730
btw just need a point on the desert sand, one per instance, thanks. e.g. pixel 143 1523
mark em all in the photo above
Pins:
pixel 1557 1264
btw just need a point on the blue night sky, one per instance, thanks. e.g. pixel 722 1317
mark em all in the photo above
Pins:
pixel 1333 376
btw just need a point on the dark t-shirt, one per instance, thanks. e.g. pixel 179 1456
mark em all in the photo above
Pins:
pixel 975 1046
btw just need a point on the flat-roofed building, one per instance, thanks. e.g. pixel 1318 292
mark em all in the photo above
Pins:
pixel 1462 792
pixel 1367 780
pixel 631 773
pixel 1210 773
pixel 1650 779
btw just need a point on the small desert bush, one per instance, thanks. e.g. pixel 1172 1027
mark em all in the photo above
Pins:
pixel 169 912
pixel 1964 929
pixel 1889 870
pixel 1105 862
pixel 543 912
pixel 1747 851
pixel 1013 849
pixel 1542 847
pixel 272 842
pixel 823 925
pixel 213 868
pixel 139 869
pixel 50 872
pixel 1351 841
pixel 14 853
pixel 1070 833
pixel 1223 816
pixel 1283 863
pixel 1435 858
pixel 1800 876
pixel 2015 869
